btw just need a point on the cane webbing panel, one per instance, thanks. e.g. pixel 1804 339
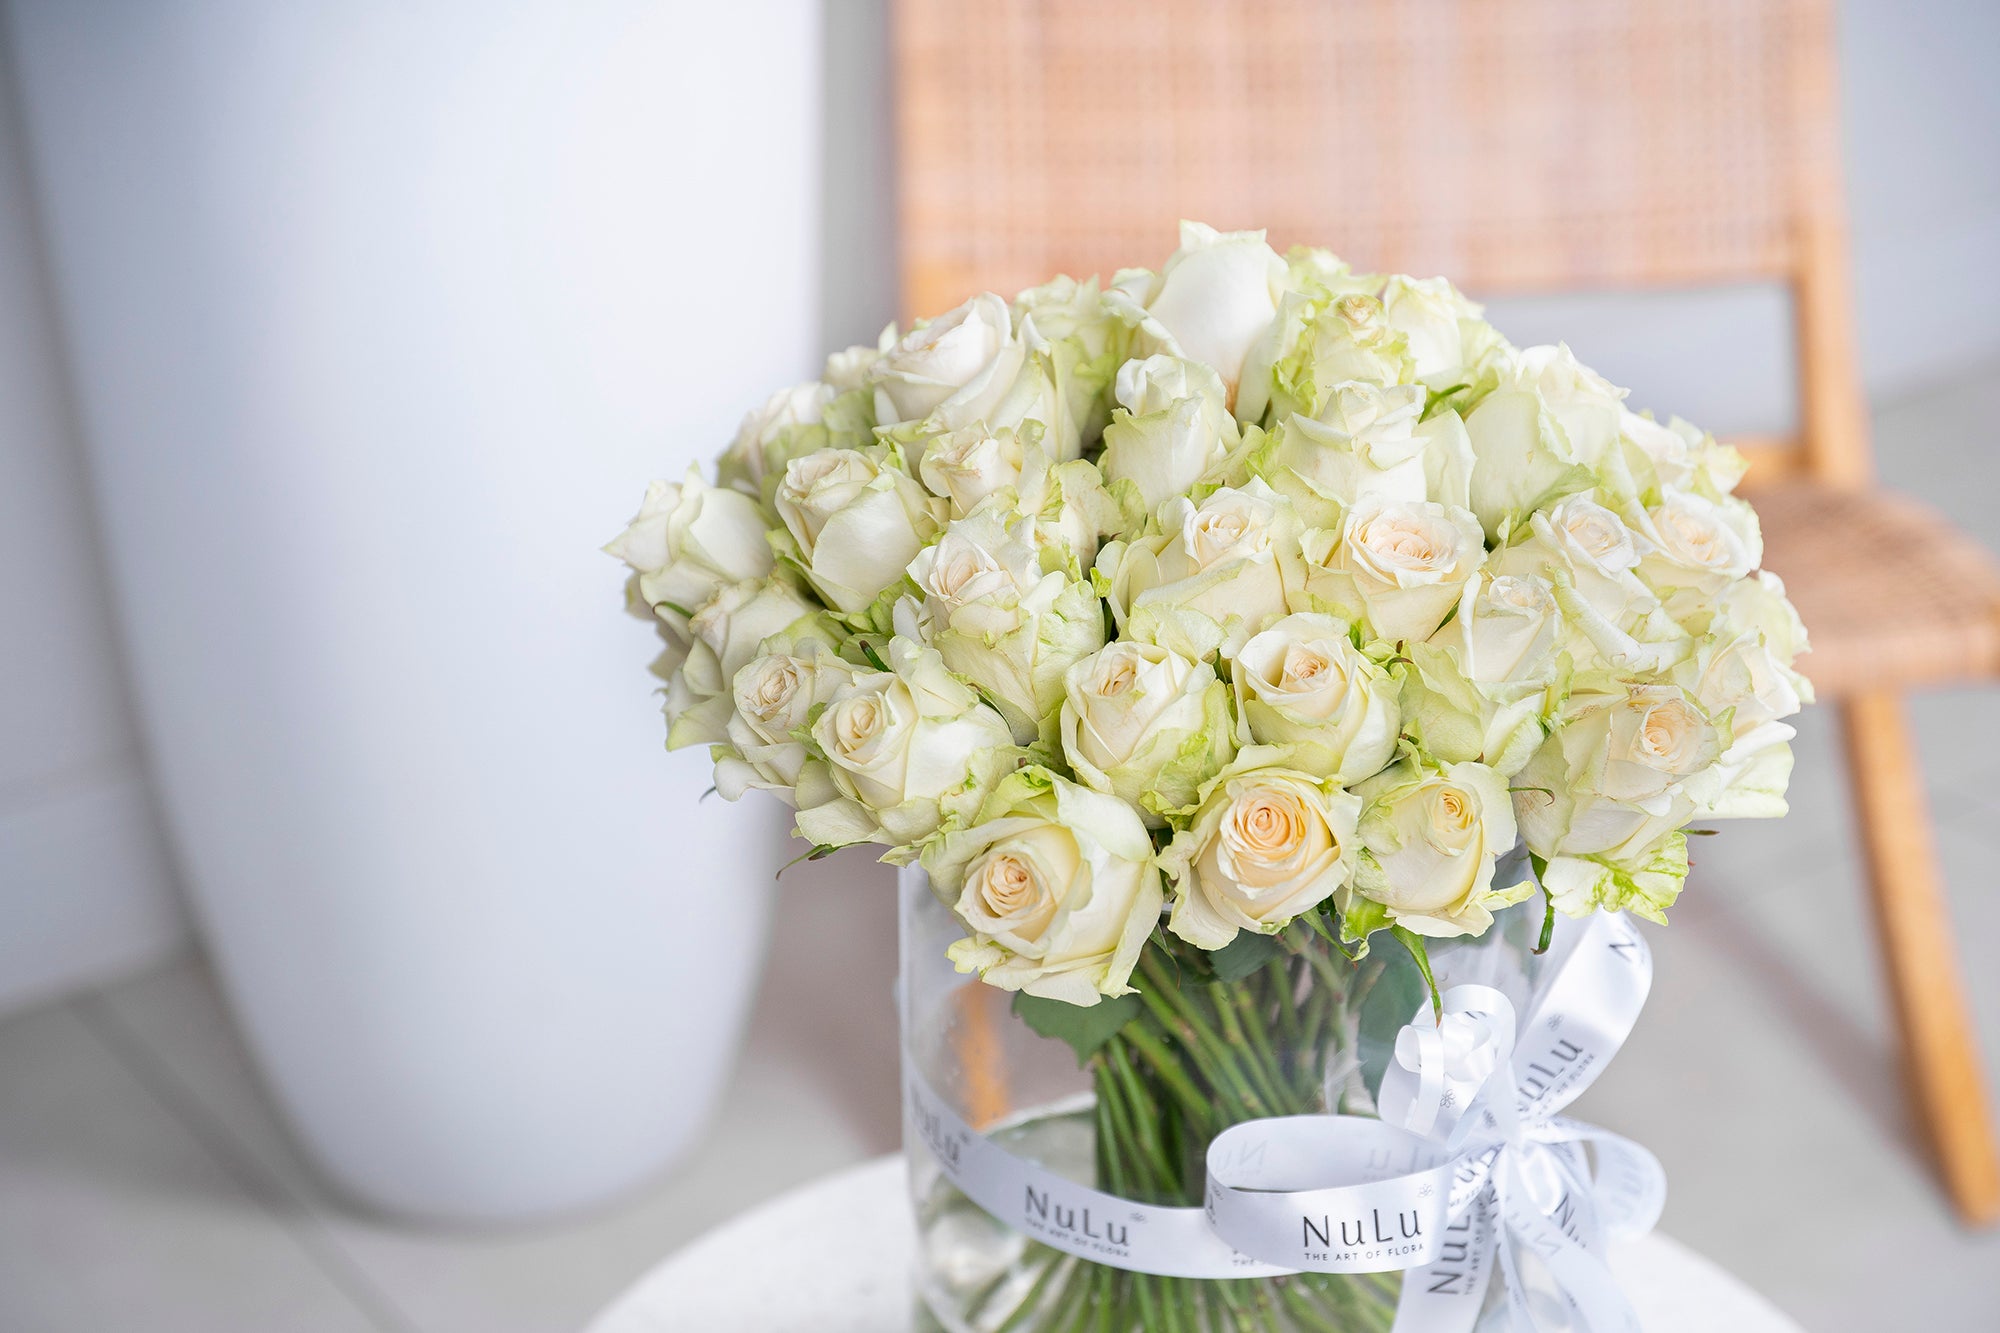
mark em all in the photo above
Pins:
pixel 1891 594
pixel 1511 144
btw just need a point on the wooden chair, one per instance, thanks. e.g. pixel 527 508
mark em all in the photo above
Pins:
pixel 1513 145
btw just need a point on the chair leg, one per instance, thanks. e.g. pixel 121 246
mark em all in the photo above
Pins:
pixel 1941 1053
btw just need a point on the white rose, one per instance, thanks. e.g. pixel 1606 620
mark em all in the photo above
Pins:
pixel 773 696
pixel 1545 432
pixel 1002 623
pixel 1505 631
pixel 907 748
pixel 1369 444
pixel 1173 426
pixel 1145 724
pixel 1441 330
pixel 1327 340
pixel 1477 690
pixel 1397 566
pixel 1302 684
pixel 1590 556
pixel 1065 308
pixel 969 464
pixel 728 631
pixel 1698 547
pixel 757 449
pixel 1268 844
pixel 856 524
pixel 1621 769
pixel 955 369
pixel 1644 881
pixel 689 541
pixel 1743 667
pixel 850 368
pixel 1220 571
pixel 1215 299
pixel 1677 456
pixel 1430 840
pixel 1056 884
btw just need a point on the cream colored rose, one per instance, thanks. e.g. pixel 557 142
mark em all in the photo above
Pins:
pixel 750 457
pixel 856 523
pixel 1173 427
pixel 1590 557
pixel 1430 840
pixel 968 465
pixel 1064 308
pixel 1442 331
pixel 1505 630
pixel 1478 689
pixel 1057 886
pixel 1698 547
pixel 1216 299
pixel 906 747
pixel 1397 566
pixel 1369 443
pixel 1001 622
pixel 1268 844
pixel 1627 764
pixel 690 540
pixel 774 696
pixel 1219 571
pixel 1742 668
pixel 728 631
pixel 1677 456
pixel 1303 685
pixel 1327 339
pixel 955 369
pixel 851 367
pixel 1549 429
pixel 1145 724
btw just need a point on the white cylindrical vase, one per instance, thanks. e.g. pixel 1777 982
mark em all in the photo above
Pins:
pixel 381 316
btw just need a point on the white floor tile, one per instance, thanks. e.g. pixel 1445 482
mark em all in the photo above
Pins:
pixel 816 1090
pixel 115 1215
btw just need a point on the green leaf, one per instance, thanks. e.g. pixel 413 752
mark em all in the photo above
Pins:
pixel 1244 955
pixel 1415 944
pixel 1086 1029
pixel 1388 1005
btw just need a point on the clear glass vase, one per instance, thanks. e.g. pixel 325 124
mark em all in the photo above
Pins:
pixel 1305 1030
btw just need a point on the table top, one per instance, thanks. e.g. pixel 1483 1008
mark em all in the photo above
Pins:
pixel 835 1257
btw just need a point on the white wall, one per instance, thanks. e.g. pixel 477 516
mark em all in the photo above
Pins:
pixel 85 889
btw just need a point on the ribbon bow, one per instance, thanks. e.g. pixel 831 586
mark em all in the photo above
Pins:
pixel 1471 1166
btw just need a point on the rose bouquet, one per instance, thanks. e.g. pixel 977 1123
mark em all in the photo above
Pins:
pixel 1191 633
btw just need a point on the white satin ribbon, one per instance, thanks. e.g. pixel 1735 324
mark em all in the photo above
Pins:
pixel 1471 1168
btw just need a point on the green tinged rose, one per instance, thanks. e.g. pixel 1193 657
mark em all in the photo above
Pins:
pixel 1056 885
pixel 1144 724
pixel 907 749
pixel 1431 837
pixel 1000 622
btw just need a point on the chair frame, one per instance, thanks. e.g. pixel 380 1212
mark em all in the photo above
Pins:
pixel 939 41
